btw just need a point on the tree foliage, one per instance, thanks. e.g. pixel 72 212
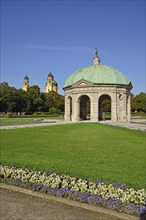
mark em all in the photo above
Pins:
pixel 138 102
pixel 17 100
pixel 106 105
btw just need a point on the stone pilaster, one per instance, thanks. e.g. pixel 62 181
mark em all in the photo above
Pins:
pixel 75 108
pixel 129 108
pixel 124 107
pixel 94 107
pixel 118 107
pixel 67 116
pixel 114 115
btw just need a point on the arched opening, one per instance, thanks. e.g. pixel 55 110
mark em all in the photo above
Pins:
pixel 84 106
pixel 104 108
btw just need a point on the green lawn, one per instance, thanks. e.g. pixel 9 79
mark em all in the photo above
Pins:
pixel 88 150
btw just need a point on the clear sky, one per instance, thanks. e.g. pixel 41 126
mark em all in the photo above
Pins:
pixel 61 36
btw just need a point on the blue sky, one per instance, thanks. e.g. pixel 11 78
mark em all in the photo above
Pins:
pixel 61 36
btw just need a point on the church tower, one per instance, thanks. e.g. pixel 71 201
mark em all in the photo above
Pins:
pixel 25 83
pixel 51 84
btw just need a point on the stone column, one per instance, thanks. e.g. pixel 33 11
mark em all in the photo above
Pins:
pixel 67 115
pixel 118 107
pixel 114 116
pixel 75 108
pixel 124 107
pixel 129 108
pixel 94 107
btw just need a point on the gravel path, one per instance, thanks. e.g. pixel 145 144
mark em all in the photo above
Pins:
pixel 47 123
pixel 134 124
pixel 19 206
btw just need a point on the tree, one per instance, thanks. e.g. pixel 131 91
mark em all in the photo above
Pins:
pixel 17 100
pixel 132 102
pixel 8 98
pixel 35 102
pixel 106 105
pixel 4 87
pixel 22 101
pixel 53 99
pixel 139 102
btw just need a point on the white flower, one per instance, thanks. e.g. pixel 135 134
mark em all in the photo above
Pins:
pixel 53 180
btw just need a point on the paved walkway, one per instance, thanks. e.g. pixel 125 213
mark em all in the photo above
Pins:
pixel 17 203
pixel 137 124
pixel 42 124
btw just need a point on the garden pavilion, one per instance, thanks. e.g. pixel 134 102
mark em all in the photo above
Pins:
pixel 87 88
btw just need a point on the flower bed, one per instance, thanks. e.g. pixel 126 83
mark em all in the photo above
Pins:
pixel 115 196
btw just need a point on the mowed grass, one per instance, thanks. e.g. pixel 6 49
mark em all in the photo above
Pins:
pixel 87 150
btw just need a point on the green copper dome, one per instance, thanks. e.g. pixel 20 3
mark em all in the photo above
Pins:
pixel 98 74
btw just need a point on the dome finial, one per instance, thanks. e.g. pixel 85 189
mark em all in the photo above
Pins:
pixel 96 58
pixel 96 52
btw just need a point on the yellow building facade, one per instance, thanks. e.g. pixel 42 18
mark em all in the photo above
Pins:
pixel 25 83
pixel 51 84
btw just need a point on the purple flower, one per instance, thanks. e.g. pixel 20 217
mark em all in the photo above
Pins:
pixel 111 203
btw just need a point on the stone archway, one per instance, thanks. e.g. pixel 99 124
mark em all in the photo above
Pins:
pixel 84 107
pixel 104 107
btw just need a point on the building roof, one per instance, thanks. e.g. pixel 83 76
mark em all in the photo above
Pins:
pixel 98 74
pixel 26 77
pixel 55 83
pixel 50 75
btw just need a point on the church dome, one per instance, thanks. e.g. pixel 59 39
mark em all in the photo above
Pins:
pixel 26 78
pixel 98 74
pixel 50 75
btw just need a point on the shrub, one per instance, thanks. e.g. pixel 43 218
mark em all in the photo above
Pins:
pixel 54 110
